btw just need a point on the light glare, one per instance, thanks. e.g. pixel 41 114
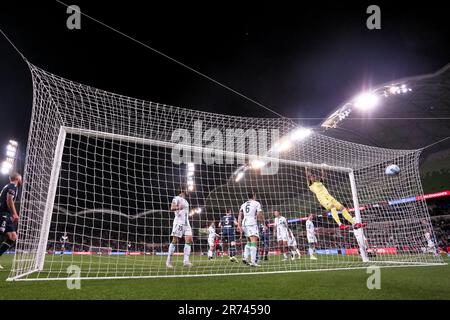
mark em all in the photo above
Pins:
pixel 301 134
pixel 239 176
pixel 257 164
pixel 366 101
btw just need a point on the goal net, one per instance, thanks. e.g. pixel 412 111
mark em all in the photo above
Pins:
pixel 103 170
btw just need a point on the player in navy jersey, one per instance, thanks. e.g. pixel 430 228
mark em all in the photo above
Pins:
pixel 8 213
pixel 228 225
pixel 265 241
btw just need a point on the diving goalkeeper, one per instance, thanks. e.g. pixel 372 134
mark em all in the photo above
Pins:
pixel 327 201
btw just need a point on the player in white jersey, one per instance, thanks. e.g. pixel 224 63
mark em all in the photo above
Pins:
pixel 311 237
pixel 431 245
pixel 64 240
pixel 249 215
pixel 181 227
pixel 292 243
pixel 280 232
pixel 211 237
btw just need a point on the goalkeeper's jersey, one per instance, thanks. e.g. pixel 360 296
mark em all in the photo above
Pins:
pixel 319 189
pixel 181 215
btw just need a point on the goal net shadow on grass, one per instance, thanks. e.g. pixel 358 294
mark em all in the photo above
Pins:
pixel 100 169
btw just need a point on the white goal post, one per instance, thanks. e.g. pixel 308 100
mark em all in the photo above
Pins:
pixel 104 168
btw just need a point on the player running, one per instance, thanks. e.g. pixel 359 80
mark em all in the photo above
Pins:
pixel 292 244
pixel 181 227
pixel 249 215
pixel 211 240
pixel 280 231
pixel 8 213
pixel 316 186
pixel 227 224
pixel 311 237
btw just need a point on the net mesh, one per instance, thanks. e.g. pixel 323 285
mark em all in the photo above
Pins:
pixel 102 170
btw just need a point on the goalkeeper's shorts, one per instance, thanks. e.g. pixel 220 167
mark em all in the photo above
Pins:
pixel 329 202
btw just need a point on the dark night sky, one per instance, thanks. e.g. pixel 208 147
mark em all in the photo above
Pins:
pixel 303 61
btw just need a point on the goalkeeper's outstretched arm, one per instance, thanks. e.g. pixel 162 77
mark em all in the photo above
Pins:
pixel 308 176
pixel 322 175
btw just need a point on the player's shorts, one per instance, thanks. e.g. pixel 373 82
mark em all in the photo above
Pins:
pixel 251 231
pixel 180 230
pixel 228 234
pixel 311 239
pixel 211 242
pixel 282 236
pixel 6 223
pixel 329 202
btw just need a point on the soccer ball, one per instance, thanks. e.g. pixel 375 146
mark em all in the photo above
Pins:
pixel 392 169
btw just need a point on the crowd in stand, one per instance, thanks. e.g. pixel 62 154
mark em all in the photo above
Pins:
pixel 440 218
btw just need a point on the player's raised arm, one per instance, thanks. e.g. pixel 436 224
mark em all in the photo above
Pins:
pixel 174 205
pixel 308 176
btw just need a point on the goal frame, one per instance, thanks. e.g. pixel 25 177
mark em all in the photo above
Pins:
pixel 55 173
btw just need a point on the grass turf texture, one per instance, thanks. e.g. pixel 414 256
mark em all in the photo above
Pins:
pixel 396 283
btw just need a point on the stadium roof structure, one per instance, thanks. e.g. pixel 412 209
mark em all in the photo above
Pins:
pixel 412 120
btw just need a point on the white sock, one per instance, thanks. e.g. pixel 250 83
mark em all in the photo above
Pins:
pixel 187 252
pixel 210 254
pixel 293 252
pixel 171 251
pixel 298 252
pixel 285 255
pixel 246 252
pixel 253 254
pixel 310 251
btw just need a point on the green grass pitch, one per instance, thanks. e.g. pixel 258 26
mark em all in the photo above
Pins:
pixel 396 283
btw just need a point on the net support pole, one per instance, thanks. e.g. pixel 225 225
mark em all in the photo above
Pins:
pixel 359 233
pixel 47 217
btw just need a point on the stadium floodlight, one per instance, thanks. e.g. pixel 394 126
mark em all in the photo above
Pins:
pixel 13 143
pixel 11 148
pixel 300 134
pixel 394 89
pixel 195 211
pixel 6 166
pixel 11 152
pixel 366 100
pixel 4 170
